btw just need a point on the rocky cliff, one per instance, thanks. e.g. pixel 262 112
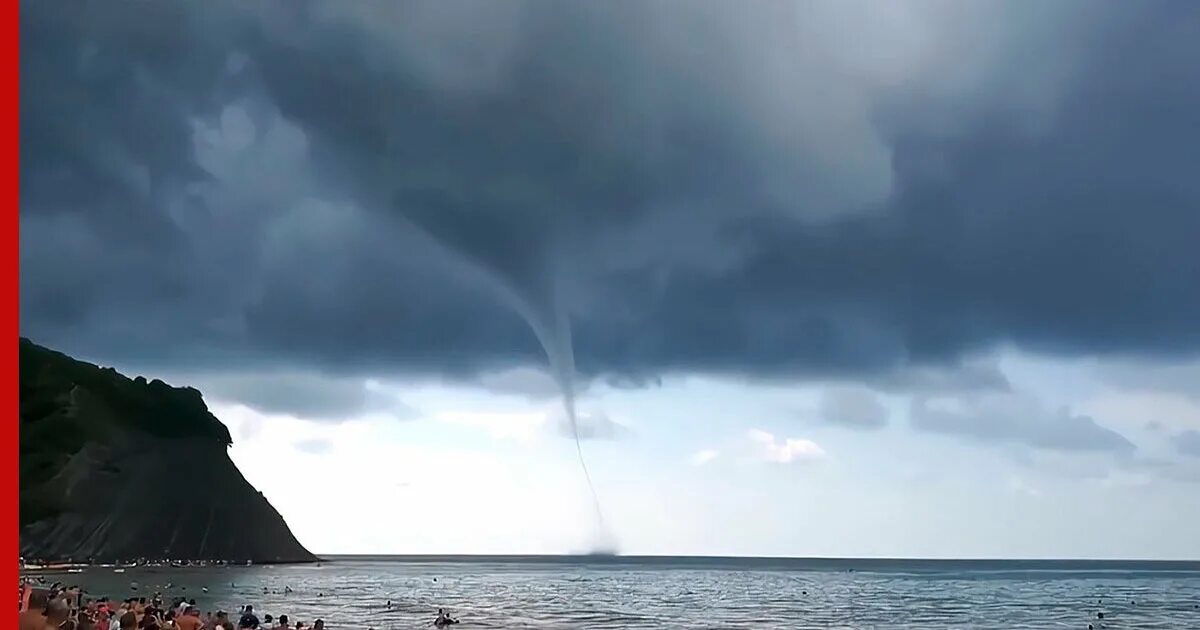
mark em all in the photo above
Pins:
pixel 114 468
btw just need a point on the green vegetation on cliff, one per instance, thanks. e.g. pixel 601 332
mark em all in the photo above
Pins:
pixel 114 468
pixel 66 403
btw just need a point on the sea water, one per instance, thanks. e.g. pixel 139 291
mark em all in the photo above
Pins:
pixel 642 592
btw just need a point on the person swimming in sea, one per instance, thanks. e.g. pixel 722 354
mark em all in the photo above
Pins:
pixel 444 619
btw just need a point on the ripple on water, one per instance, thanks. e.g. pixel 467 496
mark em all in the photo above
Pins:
pixel 351 594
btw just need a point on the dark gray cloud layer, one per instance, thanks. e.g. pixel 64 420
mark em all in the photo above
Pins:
pixel 306 395
pixel 706 186
pixel 1188 443
pixel 853 407
pixel 1016 419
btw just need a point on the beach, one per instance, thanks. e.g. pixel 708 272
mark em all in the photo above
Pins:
pixel 596 593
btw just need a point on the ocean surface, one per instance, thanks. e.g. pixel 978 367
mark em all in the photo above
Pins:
pixel 644 592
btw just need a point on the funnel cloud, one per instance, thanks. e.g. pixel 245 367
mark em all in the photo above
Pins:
pixel 771 204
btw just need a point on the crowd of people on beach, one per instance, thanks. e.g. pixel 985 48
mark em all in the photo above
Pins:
pixel 68 608
pixel 60 607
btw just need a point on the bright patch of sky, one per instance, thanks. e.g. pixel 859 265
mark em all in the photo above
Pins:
pixel 716 466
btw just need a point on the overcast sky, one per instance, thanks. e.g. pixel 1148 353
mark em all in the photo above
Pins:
pixel 834 278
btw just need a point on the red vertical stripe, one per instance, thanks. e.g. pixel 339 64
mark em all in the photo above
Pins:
pixel 11 389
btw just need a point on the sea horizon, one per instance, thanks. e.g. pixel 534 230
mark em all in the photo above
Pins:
pixel 1013 566
pixel 522 557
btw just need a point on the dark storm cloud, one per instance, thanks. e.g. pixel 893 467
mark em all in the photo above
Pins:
pixel 1181 378
pixel 305 395
pixel 521 381
pixel 707 186
pixel 960 377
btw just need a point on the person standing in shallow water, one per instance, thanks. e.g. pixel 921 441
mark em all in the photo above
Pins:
pixel 249 620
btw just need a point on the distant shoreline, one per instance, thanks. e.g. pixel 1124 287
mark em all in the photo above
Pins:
pixel 749 562
pixel 55 567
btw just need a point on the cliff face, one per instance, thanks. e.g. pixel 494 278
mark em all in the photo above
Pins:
pixel 114 468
